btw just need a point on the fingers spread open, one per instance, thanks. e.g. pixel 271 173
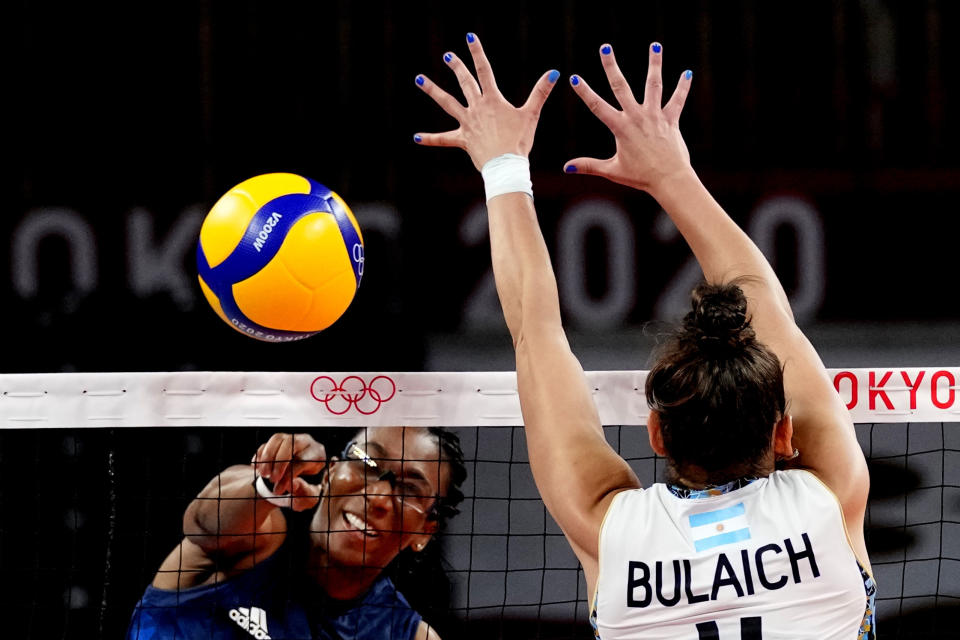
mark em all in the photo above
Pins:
pixel 541 91
pixel 618 83
pixel 588 166
pixel 679 98
pixel 482 65
pixel 445 139
pixel 447 102
pixel 469 86
pixel 653 94
pixel 597 105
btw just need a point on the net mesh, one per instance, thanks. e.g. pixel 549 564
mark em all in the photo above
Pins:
pixel 89 514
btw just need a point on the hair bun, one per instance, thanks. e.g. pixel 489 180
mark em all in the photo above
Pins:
pixel 718 322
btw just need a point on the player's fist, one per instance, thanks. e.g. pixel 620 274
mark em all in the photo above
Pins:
pixel 285 457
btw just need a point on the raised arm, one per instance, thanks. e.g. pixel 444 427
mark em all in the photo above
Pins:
pixel 229 526
pixel 575 469
pixel 651 155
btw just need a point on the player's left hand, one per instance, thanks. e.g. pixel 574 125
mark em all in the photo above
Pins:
pixel 489 125
pixel 650 148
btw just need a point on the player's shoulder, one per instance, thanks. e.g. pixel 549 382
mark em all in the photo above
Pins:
pixel 631 501
pixel 802 479
pixel 384 591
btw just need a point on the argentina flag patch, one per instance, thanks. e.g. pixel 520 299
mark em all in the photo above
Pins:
pixel 719 527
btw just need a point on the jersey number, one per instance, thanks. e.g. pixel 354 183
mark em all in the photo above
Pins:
pixel 749 630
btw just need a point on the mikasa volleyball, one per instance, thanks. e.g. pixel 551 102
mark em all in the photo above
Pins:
pixel 280 257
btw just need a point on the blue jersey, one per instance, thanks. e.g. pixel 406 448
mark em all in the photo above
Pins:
pixel 275 600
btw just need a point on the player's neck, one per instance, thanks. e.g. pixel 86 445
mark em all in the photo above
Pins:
pixel 696 478
pixel 340 582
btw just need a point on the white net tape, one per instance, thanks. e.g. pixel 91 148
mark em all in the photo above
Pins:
pixel 299 399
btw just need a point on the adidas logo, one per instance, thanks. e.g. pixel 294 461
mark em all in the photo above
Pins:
pixel 252 620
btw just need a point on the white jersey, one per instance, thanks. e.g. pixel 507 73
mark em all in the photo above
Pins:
pixel 767 560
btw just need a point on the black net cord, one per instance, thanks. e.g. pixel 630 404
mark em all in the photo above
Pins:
pixel 473 521
pixel 506 559
pixel 943 497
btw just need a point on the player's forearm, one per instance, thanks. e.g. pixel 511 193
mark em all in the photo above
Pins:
pixel 227 506
pixel 521 264
pixel 722 249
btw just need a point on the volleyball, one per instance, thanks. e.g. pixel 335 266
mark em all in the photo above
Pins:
pixel 280 257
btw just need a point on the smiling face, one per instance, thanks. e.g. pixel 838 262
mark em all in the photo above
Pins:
pixel 374 508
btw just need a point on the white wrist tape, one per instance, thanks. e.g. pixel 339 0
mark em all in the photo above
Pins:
pixel 508 173
pixel 285 501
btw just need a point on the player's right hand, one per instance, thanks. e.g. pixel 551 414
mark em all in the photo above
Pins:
pixel 284 458
pixel 650 149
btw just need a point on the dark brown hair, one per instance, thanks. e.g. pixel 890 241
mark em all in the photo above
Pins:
pixel 717 390
pixel 452 454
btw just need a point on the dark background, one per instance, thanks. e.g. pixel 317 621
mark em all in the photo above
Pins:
pixel 130 120
pixel 145 113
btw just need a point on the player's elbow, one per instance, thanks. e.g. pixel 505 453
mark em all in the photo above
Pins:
pixel 192 522
pixel 208 527
pixel 224 543
pixel 202 515
pixel 197 531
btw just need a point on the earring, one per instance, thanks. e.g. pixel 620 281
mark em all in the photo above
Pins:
pixel 418 546
pixel 796 454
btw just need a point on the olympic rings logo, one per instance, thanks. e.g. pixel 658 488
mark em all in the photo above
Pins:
pixel 352 391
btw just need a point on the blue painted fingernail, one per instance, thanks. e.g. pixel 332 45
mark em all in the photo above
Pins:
pixel 656 47
pixel 688 74
pixel 420 80
pixel 447 57
pixel 574 80
pixel 553 76
pixel 571 168
pixel 417 138
pixel 605 49
pixel 471 37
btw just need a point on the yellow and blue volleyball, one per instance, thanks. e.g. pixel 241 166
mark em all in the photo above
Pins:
pixel 280 257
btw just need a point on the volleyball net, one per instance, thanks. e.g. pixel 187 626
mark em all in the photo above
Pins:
pixel 98 468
